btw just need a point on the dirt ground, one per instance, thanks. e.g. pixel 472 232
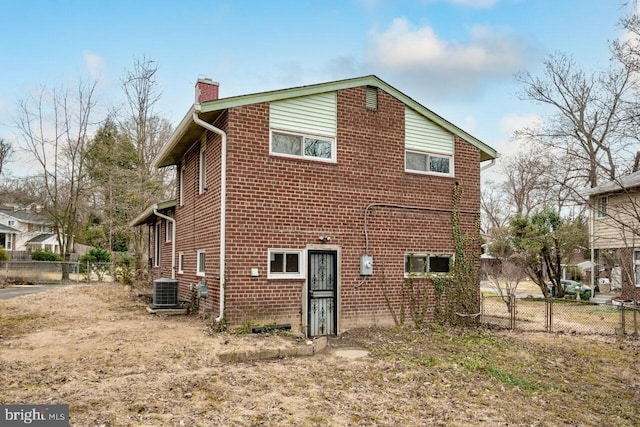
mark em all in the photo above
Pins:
pixel 95 348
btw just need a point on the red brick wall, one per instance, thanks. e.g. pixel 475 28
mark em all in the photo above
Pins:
pixel 276 202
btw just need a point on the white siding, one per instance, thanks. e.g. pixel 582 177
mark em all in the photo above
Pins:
pixel 315 114
pixel 422 134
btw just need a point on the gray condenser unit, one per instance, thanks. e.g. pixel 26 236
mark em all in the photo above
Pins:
pixel 165 293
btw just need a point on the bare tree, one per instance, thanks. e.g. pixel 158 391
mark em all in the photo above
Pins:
pixel 147 132
pixel 587 123
pixel 5 152
pixel 54 127
pixel 494 207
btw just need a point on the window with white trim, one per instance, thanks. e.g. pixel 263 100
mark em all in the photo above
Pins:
pixel 200 260
pixel 416 161
pixel 180 262
pixel 285 264
pixel 426 263
pixel 181 184
pixel 202 177
pixel 157 244
pixel 11 222
pixel 601 210
pixel 169 231
pixel 301 145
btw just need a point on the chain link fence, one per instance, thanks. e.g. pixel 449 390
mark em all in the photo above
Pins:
pixel 555 315
pixel 53 272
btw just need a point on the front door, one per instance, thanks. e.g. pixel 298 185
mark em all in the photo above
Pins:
pixel 322 313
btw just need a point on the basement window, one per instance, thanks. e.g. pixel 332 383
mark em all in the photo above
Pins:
pixel 285 264
pixel 417 264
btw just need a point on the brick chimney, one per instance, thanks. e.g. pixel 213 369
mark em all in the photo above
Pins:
pixel 206 90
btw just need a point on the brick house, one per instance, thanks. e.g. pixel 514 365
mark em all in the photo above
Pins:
pixel 615 233
pixel 310 205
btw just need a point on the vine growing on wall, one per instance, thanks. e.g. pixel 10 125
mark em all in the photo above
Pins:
pixel 462 292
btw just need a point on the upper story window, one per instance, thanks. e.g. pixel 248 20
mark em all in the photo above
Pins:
pixel 181 184
pixel 429 148
pixel 304 127
pixel 11 222
pixel 202 181
pixel 427 162
pixel 301 145
pixel 426 263
pixel 601 209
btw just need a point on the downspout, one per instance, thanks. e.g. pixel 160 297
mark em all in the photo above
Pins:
pixel 223 198
pixel 173 239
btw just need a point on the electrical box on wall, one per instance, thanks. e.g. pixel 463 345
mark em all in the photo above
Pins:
pixel 366 265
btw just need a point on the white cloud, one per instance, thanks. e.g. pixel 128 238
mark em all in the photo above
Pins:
pixel 470 123
pixel 404 47
pixel 509 125
pixel 446 67
pixel 94 64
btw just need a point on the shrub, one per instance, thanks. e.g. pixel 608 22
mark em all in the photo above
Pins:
pixel 4 256
pixel 45 255
pixel 96 261
pixel 125 268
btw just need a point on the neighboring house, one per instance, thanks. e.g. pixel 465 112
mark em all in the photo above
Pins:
pixel 615 232
pixel 310 206
pixel 25 231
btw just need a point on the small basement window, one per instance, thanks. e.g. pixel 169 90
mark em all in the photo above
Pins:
pixel 285 263
pixel 426 264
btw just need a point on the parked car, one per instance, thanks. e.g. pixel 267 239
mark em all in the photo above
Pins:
pixel 570 288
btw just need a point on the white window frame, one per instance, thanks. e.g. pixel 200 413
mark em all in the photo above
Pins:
pixel 428 255
pixel 157 253
pixel 168 231
pixel 180 262
pixel 202 171
pixel 9 241
pixel 602 206
pixel 181 184
pixel 200 260
pixel 428 155
pixel 331 139
pixel 11 222
pixel 284 275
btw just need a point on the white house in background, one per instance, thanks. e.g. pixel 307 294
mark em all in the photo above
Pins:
pixel 26 231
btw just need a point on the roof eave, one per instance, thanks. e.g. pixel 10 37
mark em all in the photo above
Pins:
pixel 168 155
pixel 145 217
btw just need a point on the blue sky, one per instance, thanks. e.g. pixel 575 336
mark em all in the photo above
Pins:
pixel 456 57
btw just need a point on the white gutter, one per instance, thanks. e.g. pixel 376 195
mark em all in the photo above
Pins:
pixel 173 239
pixel 485 167
pixel 223 198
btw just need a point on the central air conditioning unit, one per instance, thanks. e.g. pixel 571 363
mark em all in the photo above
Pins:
pixel 165 293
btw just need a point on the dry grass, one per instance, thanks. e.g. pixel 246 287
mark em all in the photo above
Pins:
pixel 96 349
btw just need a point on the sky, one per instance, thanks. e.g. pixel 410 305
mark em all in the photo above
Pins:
pixel 458 58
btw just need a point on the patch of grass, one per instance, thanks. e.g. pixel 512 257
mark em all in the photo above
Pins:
pixel 11 326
